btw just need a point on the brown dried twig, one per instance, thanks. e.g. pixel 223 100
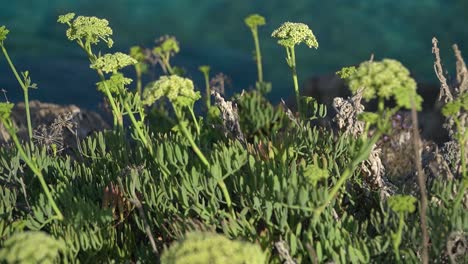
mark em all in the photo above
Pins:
pixel 462 72
pixel 421 183
pixel 445 92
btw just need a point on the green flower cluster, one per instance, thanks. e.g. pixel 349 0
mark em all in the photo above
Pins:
pixel 116 84
pixel 113 62
pixel 314 174
pixel 254 20
pixel 178 90
pixel 3 34
pixel 168 45
pixel 137 53
pixel 291 34
pixel 205 69
pixel 198 248
pixel 91 29
pixel 384 79
pixel 31 247
pixel 454 107
pixel 402 203
pixel 5 110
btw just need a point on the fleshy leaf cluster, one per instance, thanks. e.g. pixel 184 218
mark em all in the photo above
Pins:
pixel 204 247
pixel 89 29
pixel 384 79
pixel 3 34
pixel 290 34
pixel 31 247
pixel 254 20
pixel 113 62
pixel 180 91
pixel 402 203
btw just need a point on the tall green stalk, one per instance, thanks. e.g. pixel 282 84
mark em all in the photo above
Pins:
pixel 33 166
pixel 290 35
pixel 205 69
pixel 253 21
pixel 25 91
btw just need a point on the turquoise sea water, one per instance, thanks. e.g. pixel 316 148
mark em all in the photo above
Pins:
pixel 213 32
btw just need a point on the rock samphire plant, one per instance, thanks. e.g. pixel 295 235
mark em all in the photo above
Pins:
pixel 290 35
pixel 238 181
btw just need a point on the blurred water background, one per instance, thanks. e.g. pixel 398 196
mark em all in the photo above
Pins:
pixel 213 32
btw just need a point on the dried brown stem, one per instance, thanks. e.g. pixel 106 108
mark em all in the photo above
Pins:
pixel 138 205
pixel 421 183
pixel 445 92
pixel 462 72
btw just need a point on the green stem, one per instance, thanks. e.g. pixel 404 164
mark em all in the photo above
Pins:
pixel 140 133
pixel 363 154
pixel 207 89
pixel 189 137
pixel 138 74
pixel 397 237
pixel 296 83
pixel 118 120
pixel 197 127
pixel 25 90
pixel 36 171
pixel 205 162
pixel 168 65
pixel 258 55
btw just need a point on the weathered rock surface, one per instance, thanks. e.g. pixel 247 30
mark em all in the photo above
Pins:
pixel 81 121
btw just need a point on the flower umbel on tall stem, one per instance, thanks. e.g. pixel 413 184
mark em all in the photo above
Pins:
pixel 180 92
pixel 253 22
pixel 289 35
pixel 205 69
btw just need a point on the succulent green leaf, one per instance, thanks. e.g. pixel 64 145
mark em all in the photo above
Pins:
pixel 113 62
pixel 203 247
pixel 291 34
